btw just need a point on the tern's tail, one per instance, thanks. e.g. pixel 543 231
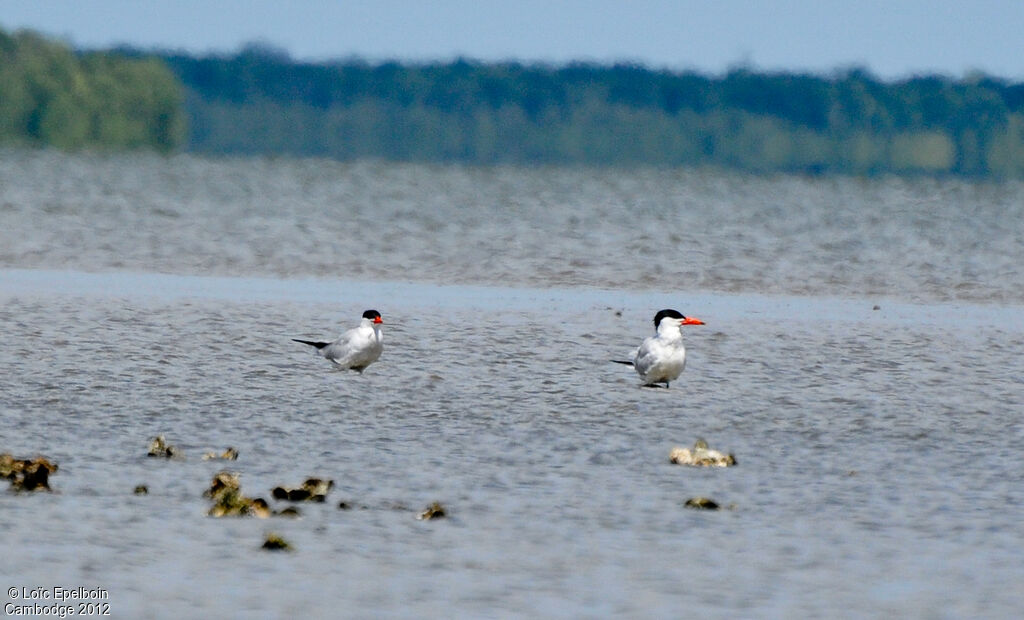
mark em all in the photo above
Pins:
pixel 312 343
pixel 626 362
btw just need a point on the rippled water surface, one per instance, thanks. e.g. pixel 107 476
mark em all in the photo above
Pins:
pixel 862 359
pixel 641 229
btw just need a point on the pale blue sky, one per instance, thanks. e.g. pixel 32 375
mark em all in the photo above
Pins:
pixel 893 38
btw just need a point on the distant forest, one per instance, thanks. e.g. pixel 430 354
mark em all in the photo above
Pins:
pixel 260 101
pixel 50 96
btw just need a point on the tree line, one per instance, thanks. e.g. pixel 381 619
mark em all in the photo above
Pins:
pixel 51 96
pixel 261 101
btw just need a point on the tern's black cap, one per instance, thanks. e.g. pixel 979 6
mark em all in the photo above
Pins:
pixel 669 313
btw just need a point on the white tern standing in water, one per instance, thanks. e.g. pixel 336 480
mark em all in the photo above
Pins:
pixel 662 357
pixel 357 348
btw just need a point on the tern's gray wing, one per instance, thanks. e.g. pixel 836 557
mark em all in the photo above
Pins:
pixel 644 357
pixel 356 348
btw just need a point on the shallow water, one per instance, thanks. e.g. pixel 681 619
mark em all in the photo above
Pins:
pixel 669 230
pixel 879 468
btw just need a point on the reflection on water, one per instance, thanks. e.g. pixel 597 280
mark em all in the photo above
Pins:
pixel 878 449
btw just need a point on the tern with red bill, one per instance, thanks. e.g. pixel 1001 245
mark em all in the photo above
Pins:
pixel 662 357
pixel 357 348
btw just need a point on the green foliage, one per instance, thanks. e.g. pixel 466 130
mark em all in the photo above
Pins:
pixel 49 96
pixel 260 101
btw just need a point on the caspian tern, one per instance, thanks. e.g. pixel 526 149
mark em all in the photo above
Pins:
pixel 662 357
pixel 357 348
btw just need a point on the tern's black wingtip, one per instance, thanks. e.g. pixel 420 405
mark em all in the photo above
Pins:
pixel 312 343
